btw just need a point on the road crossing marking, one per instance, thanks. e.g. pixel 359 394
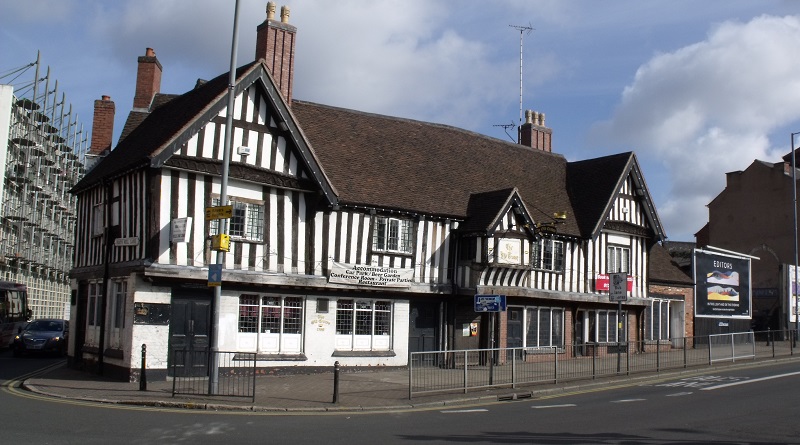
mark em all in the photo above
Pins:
pixel 725 385
pixel 677 394
pixel 455 411
pixel 628 400
pixel 566 405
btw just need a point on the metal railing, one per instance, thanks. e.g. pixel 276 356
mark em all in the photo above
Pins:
pixel 236 376
pixel 462 370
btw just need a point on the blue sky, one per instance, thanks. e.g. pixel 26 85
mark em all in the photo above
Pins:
pixel 696 88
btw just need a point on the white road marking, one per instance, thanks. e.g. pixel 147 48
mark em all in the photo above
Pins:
pixel 628 400
pixel 453 411
pixel 567 405
pixel 725 385
pixel 679 394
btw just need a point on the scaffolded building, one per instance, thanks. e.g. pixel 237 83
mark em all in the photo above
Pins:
pixel 42 151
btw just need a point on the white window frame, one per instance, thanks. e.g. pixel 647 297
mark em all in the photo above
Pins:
pixel 247 222
pixel 392 235
pixel 533 318
pixel 255 310
pixel 619 259
pixel 117 313
pixel 605 326
pixel 94 312
pixel 364 325
pixel 548 254
pixel 657 331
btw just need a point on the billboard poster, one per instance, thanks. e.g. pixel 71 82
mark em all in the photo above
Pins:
pixel 792 291
pixel 722 285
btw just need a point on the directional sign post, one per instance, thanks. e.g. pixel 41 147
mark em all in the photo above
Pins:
pixel 219 212
pixel 215 274
pixel 618 291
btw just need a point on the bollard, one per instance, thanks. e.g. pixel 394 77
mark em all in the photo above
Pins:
pixel 143 374
pixel 336 382
pixel 769 335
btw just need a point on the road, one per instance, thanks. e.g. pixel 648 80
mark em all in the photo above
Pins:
pixel 754 405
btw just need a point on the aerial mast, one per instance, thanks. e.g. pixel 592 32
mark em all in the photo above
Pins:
pixel 521 29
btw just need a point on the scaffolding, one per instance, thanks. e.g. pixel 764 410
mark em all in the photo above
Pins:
pixel 44 157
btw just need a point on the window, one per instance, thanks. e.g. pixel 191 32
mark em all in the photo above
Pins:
pixel 392 235
pixel 618 259
pixel 93 318
pixel 363 324
pixel 246 223
pixel 98 225
pixel 656 320
pixel 605 327
pixel 548 254
pixel 278 315
pixel 545 327
pixel 120 290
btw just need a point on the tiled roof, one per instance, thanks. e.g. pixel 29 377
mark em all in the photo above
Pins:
pixel 483 209
pixel 664 270
pixel 592 183
pixel 422 167
pixel 157 128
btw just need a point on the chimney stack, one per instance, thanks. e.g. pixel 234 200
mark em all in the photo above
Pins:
pixel 102 125
pixel 148 80
pixel 275 42
pixel 533 132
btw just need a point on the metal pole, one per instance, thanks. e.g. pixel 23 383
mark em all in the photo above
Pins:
pixel 213 378
pixel 793 286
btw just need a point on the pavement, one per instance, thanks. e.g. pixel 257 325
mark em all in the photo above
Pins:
pixel 359 391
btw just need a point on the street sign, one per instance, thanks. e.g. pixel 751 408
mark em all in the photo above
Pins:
pixel 490 303
pixel 219 212
pixel 215 274
pixel 618 287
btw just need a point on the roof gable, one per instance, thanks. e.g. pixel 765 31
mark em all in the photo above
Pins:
pixel 163 131
pixel 486 210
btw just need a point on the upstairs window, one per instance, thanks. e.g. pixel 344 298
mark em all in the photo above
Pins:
pixel 246 223
pixel 618 259
pixel 392 235
pixel 548 254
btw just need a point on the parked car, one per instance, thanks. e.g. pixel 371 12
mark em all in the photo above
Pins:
pixel 42 335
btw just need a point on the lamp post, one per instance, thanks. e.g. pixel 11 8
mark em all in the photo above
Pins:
pixel 793 285
pixel 213 377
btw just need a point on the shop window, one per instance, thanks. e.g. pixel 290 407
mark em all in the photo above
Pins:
pixel 363 324
pixel 545 327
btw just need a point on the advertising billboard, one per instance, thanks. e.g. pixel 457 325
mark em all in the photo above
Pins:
pixel 722 285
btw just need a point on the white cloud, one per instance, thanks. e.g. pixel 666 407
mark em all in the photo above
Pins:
pixel 708 108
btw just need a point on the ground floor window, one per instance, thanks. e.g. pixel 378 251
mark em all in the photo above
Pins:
pixel 544 327
pixel 271 323
pixel 94 313
pixel 605 326
pixel 363 325
pixel 656 320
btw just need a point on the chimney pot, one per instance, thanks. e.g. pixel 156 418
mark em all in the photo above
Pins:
pixel 284 14
pixel 149 52
pixel 106 98
pixel 270 10
pixel 528 117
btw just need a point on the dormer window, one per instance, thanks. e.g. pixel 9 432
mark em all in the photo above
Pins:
pixel 392 235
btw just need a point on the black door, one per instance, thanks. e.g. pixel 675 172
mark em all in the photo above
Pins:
pixel 190 329
pixel 514 331
pixel 423 322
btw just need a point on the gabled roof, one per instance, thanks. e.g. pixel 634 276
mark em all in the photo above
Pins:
pixel 486 210
pixel 594 184
pixel 392 163
pixel 174 120
pixel 664 270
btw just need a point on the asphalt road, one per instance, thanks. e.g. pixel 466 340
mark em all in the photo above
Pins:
pixel 755 405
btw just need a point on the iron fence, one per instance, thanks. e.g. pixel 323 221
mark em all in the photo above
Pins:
pixel 236 376
pixel 462 370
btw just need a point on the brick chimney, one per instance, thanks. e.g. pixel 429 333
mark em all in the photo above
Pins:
pixel 148 80
pixel 534 134
pixel 102 125
pixel 275 41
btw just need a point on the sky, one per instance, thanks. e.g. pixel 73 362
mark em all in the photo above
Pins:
pixel 696 89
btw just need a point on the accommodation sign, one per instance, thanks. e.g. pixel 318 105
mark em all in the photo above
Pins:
pixel 367 275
